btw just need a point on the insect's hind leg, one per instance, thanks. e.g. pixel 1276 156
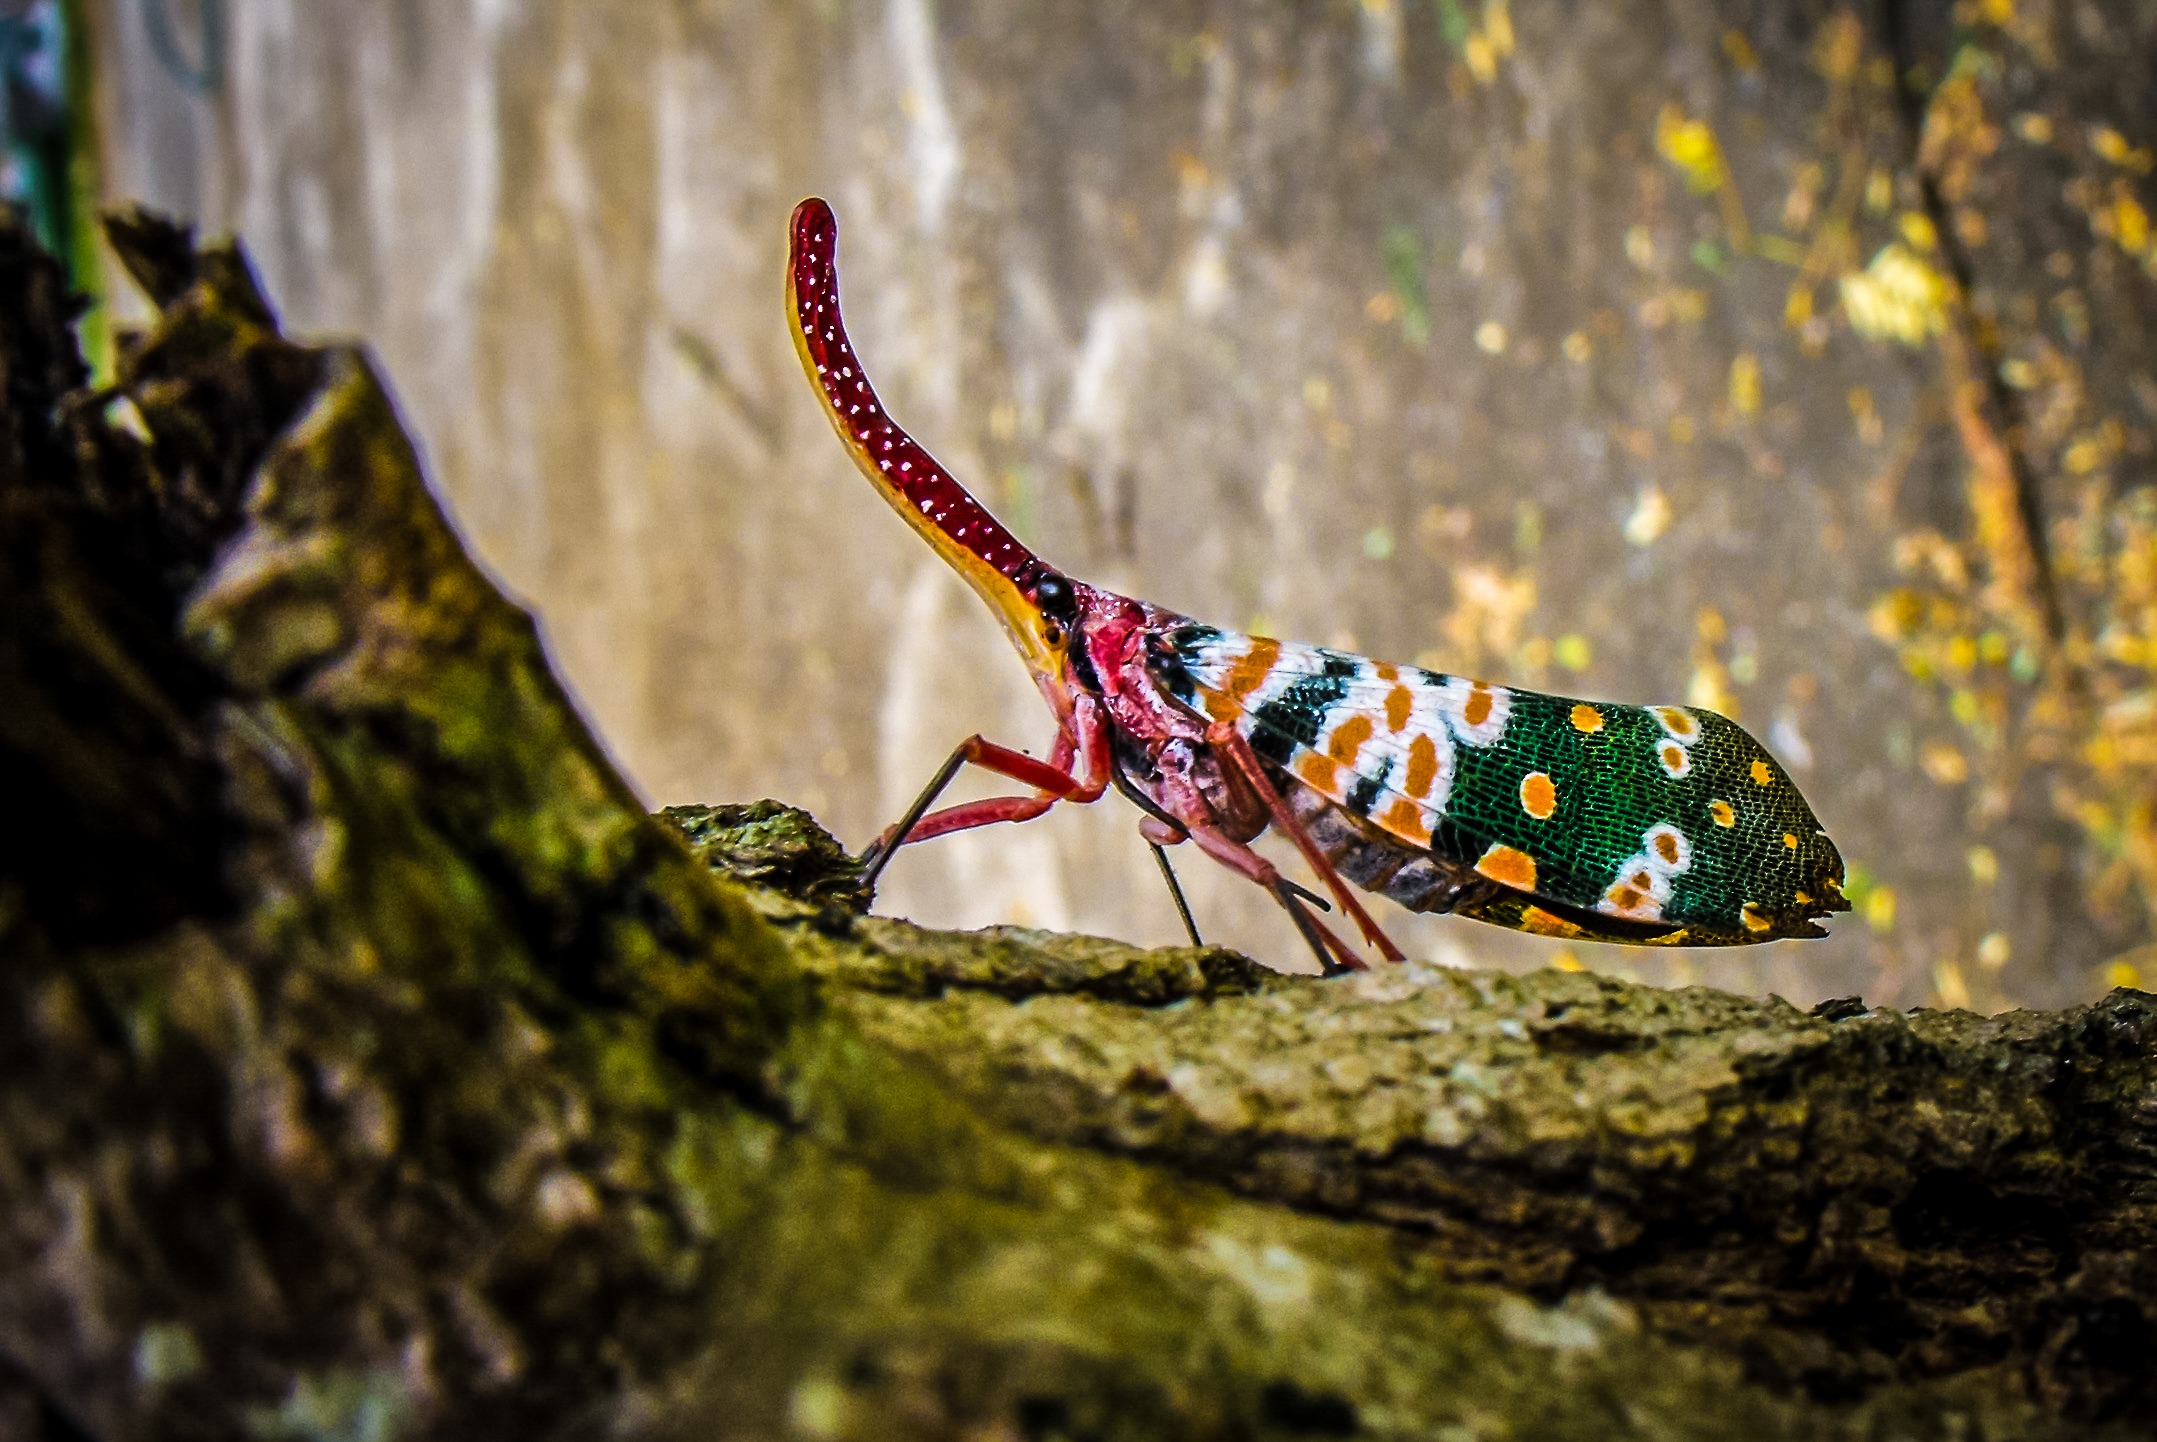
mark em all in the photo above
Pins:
pixel 1229 744
pixel 1335 956
pixel 1175 891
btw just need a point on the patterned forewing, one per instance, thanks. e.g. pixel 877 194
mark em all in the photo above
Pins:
pixel 1646 814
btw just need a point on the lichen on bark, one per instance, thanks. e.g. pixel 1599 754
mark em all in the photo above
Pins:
pixel 436 1090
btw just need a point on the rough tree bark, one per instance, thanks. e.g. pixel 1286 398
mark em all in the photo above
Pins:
pixel 371 1065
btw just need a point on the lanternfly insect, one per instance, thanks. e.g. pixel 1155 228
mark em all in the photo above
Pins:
pixel 1653 825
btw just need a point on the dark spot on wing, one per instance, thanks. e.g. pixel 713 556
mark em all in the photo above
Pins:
pixel 1295 717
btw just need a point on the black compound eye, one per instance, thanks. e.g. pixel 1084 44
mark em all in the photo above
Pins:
pixel 1058 602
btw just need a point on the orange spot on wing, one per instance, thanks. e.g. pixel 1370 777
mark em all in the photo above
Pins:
pixel 1723 812
pixel 1675 761
pixel 1538 796
pixel 1250 670
pixel 1537 922
pixel 1680 723
pixel 1403 818
pixel 1586 719
pixel 1399 701
pixel 1476 710
pixel 1508 867
pixel 1422 766
pixel 1790 840
pixel 1666 846
pixel 1755 919
pixel 1320 771
pixel 1634 898
pixel 1386 671
pixel 1761 774
pixel 1348 738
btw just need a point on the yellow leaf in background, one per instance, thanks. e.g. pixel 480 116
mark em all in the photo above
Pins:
pixel 2113 146
pixel 2085 455
pixel 2126 649
pixel 1948 985
pixel 1896 615
pixel 1897 297
pixel 1944 763
pixel 1870 428
pixel 1841 45
pixel 1482 58
pixel 1690 146
pixel 1745 383
pixel 1650 518
pixel 1709 690
pixel 1498 25
pixel 1879 191
pixel 2130 225
pixel 1998 12
pixel 1781 249
pixel 1918 230
pixel 2124 973
pixel 1880 909
pixel 1490 606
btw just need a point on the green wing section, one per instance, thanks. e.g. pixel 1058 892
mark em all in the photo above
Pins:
pixel 1663 819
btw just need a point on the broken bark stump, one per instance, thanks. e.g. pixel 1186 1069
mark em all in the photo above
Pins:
pixel 371 1065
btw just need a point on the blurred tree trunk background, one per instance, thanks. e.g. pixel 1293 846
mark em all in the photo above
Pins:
pixel 1790 359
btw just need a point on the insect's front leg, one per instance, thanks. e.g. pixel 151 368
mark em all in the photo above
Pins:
pixel 1055 779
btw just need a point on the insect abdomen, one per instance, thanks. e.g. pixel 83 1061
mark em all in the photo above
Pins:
pixel 1375 861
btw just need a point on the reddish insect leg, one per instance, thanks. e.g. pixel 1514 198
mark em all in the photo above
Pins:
pixel 1228 743
pixel 1334 955
pixel 1054 778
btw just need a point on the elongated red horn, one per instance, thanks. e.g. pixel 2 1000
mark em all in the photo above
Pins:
pixel 907 475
